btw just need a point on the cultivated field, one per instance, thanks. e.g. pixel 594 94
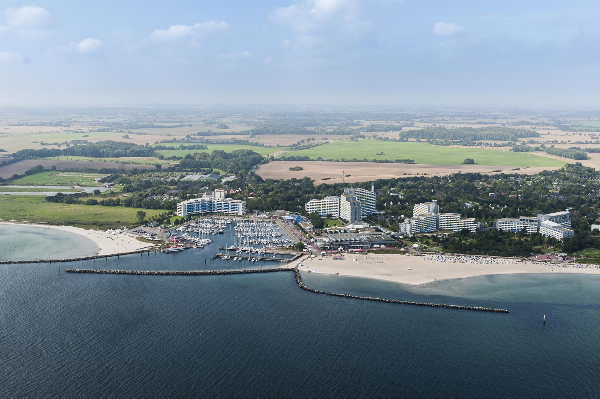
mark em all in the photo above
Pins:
pixel 423 153
pixel 36 209
pixel 367 171
pixel 21 167
pixel 56 178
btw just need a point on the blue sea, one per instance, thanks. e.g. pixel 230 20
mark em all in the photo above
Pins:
pixel 68 335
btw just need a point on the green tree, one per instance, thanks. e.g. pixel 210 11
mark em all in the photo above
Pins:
pixel 141 215
pixel 316 220
pixel 469 161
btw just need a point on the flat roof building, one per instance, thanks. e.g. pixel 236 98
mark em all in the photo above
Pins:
pixel 210 204
pixel 325 207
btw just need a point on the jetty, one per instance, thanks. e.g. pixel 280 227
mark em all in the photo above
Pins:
pixel 298 279
pixel 82 258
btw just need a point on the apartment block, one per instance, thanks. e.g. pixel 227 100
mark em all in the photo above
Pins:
pixel 210 204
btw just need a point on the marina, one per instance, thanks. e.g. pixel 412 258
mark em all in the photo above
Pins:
pixel 251 240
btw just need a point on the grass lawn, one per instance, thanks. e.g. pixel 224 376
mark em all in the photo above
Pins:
pixel 332 222
pixel 38 190
pixel 225 147
pixel 422 153
pixel 56 178
pixel 589 253
pixel 35 209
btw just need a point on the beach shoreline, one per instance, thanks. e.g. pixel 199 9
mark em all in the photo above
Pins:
pixel 419 270
pixel 107 243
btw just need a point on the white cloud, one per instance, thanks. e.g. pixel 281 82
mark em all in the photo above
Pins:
pixel 323 8
pixel 89 45
pixel 267 60
pixel 311 15
pixel 9 57
pixel 178 32
pixel 27 17
pixel 85 47
pixel 446 29
pixel 237 55
pixel 30 21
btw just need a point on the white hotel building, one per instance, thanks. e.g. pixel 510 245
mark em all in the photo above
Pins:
pixel 556 225
pixel 367 199
pixel 427 219
pixel 530 224
pixel 324 207
pixel 352 205
pixel 209 204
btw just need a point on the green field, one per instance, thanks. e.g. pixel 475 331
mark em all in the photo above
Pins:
pixel 332 222
pixel 422 153
pixel 589 253
pixel 35 209
pixel 56 178
pixel 37 190
pixel 225 147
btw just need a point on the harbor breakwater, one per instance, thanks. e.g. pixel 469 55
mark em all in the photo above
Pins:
pixel 297 276
pixel 140 251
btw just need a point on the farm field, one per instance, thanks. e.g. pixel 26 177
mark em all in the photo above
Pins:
pixel 56 178
pixel 423 153
pixel 36 209
pixel 21 167
pixel 224 147
pixel 36 190
pixel 331 172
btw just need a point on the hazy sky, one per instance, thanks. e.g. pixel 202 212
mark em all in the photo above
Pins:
pixel 412 52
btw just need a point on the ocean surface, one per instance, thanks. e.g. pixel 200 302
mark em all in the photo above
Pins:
pixel 259 336
pixel 18 242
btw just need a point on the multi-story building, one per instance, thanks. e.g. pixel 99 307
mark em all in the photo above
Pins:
pixel 454 222
pixel 209 204
pixel 332 206
pixel 367 199
pixel 530 224
pixel 427 218
pixel 325 207
pixel 552 229
pixel 557 224
pixel 427 223
pixel 426 208
pixel 350 208
pixel 562 218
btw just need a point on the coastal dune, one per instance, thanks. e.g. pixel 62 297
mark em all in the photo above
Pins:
pixel 419 270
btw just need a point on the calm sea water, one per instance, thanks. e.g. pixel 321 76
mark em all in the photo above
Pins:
pixel 76 336
pixel 33 242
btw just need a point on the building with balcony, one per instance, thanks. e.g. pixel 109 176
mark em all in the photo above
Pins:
pixel 212 204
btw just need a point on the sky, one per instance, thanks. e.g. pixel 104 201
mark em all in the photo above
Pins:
pixel 478 53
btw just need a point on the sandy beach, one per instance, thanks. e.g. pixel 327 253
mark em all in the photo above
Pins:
pixel 419 270
pixel 109 243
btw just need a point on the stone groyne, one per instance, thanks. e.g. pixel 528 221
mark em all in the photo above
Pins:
pixel 395 301
pixel 140 251
pixel 276 270
pixel 179 272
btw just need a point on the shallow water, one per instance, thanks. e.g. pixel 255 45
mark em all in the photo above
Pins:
pixel 19 242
